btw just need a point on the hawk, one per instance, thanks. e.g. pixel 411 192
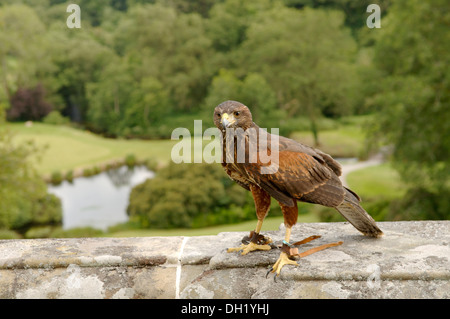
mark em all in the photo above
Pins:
pixel 299 173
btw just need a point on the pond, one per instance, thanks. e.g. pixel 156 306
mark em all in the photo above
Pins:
pixel 99 201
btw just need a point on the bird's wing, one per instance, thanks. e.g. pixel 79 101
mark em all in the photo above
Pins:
pixel 287 144
pixel 300 176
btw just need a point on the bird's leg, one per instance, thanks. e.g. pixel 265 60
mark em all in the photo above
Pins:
pixel 290 214
pixel 257 242
pixel 289 251
pixel 284 258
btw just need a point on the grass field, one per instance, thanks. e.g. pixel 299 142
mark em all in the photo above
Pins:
pixel 377 181
pixel 270 223
pixel 68 148
pixel 344 141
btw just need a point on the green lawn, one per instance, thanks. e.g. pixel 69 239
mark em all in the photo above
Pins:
pixel 376 181
pixel 345 141
pixel 270 223
pixel 68 148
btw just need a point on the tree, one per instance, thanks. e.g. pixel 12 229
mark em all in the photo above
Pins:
pixel 79 59
pixel 24 201
pixel 23 60
pixel 29 104
pixel 187 6
pixel 354 10
pixel 189 195
pixel 109 96
pixel 123 103
pixel 93 10
pixel 307 58
pixel 170 47
pixel 228 22
pixel 148 105
pixel 412 51
pixel 253 91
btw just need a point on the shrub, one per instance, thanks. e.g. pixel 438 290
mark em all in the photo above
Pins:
pixel 88 172
pixel 29 104
pixel 421 204
pixel 24 200
pixel 151 164
pixel 69 176
pixel 130 160
pixel 39 232
pixel 8 234
pixel 56 178
pixel 96 170
pixel 55 118
pixel 189 195
pixel 76 232
pixel 48 210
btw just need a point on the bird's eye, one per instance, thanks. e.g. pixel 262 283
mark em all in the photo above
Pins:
pixel 218 115
pixel 237 113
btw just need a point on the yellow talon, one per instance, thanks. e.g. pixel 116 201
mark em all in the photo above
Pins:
pixel 248 248
pixel 282 260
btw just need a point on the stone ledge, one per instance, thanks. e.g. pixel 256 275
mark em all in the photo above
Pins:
pixel 412 260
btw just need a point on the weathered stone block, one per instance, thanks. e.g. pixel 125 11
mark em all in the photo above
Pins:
pixel 412 260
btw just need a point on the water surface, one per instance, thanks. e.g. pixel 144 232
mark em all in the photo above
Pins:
pixel 99 201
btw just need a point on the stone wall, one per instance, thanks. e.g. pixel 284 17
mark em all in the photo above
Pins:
pixel 412 260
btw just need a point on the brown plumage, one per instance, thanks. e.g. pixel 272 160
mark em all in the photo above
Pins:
pixel 304 174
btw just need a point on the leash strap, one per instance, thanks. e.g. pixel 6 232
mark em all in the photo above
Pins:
pixel 292 251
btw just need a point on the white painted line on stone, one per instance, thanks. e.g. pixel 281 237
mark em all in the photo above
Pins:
pixel 178 274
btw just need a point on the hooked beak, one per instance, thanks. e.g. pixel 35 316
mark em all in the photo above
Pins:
pixel 227 121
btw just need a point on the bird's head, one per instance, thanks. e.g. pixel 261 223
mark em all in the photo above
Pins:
pixel 232 114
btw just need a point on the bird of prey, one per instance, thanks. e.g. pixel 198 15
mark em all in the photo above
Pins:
pixel 301 173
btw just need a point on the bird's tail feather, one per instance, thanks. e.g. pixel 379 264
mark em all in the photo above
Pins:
pixel 357 216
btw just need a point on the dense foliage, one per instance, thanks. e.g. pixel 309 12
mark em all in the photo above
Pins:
pixel 134 64
pixel 24 201
pixel 140 68
pixel 189 195
pixel 414 60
